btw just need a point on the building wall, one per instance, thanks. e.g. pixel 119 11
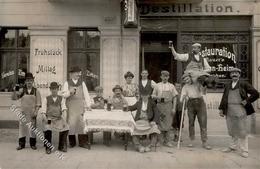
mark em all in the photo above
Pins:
pixel 119 48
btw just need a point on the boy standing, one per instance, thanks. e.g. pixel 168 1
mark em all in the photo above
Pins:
pixel 30 105
pixel 54 111
pixel 165 95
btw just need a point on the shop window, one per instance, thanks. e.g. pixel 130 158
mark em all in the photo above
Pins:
pixel 14 55
pixel 223 51
pixel 84 51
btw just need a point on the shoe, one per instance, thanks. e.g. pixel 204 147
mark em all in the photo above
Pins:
pixel 84 146
pixel 147 149
pixel 227 150
pixel 48 151
pixel 206 146
pixel 34 147
pixel 244 154
pixel 141 149
pixel 20 148
pixel 169 144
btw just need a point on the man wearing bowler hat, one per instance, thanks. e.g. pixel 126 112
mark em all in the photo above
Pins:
pixel 236 105
pixel 54 112
pixel 78 101
pixel 30 105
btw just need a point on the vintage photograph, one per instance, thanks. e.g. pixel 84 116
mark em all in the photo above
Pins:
pixel 129 84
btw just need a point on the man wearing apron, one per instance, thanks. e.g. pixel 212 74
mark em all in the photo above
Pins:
pixel 236 105
pixel 78 101
pixel 54 112
pixel 30 105
pixel 165 95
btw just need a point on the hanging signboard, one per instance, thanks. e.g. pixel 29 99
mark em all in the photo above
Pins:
pixel 47 62
pixel 130 13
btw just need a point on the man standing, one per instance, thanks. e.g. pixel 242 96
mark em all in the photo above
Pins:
pixel 146 86
pixel 78 101
pixel 165 95
pixel 236 105
pixel 30 105
pixel 193 93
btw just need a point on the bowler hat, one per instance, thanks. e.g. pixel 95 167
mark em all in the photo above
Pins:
pixel 117 87
pixel 235 69
pixel 29 76
pixel 75 69
pixel 129 74
pixel 54 85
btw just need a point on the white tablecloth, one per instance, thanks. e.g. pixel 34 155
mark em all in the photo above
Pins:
pixel 103 120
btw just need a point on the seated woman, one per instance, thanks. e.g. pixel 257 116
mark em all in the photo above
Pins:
pixel 147 118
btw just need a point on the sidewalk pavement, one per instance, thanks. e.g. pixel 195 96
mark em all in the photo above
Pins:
pixel 115 157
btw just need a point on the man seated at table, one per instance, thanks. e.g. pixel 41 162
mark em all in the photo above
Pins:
pixel 118 101
pixel 99 101
pixel 146 119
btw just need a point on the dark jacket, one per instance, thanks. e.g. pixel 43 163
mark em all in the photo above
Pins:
pixel 244 89
pixel 152 110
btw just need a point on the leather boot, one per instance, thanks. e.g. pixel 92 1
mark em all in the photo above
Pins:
pixel 72 140
pixel 63 141
pixel 48 137
pixel 21 143
pixel 33 143
pixel 83 140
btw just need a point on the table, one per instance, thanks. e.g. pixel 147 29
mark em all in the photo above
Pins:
pixel 110 121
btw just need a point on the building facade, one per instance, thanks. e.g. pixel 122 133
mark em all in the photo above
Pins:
pixel 107 38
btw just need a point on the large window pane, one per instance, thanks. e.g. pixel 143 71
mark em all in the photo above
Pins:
pixel 7 38
pixel 76 40
pixel 23 39
pixel 7 68
pixel 92 39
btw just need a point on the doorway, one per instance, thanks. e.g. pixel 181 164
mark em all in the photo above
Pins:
pixel 156 55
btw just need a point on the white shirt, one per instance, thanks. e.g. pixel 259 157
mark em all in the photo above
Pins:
pixel 144 105
pixel 234 83
pixel 185 57
pixel 191 91
pixel 66 92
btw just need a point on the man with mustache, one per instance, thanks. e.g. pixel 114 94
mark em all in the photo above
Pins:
pixel 236 105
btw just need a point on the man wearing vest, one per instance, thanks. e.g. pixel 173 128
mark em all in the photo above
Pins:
pixel 78 101
pixel 197 66
pixel 54 117
pixel 236 104
pixel 146 86
pixel 30 105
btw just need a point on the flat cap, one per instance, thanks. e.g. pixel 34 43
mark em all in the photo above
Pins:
pixel 196 44
pixel 165 73
pixel 235 69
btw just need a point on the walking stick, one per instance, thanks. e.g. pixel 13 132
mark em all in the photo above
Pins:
pixel 182 117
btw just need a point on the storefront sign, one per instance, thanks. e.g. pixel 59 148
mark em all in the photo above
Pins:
pixel 205 8
pixel 47 62
pixel 221 58
pixel 130 13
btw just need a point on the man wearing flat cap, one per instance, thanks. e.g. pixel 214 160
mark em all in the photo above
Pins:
pixel 197 66
pixel 78 101
pixel 236 105
pixel 165 94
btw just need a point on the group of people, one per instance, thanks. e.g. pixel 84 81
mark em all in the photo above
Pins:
pixel 158 107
